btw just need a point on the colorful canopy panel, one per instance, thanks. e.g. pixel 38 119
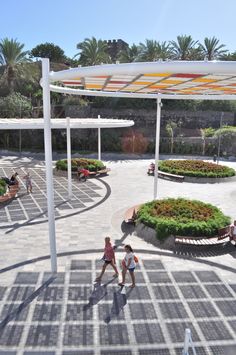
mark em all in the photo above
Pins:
pixel 165 83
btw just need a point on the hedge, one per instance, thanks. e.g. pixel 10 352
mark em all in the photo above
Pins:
pixel 195 168
pixel 90 164
pixel 182 217
pixel 3 187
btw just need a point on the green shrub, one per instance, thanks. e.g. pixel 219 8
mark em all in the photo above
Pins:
pixel 195 168
pixel 3 187
pixel 90 164
pixel 182 217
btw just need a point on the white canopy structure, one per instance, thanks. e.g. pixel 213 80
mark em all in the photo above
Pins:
pixel 156 80
pixel 68 124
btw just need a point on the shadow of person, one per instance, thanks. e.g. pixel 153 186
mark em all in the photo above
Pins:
pixel 119 301
pixel 15 312
pixel 98 293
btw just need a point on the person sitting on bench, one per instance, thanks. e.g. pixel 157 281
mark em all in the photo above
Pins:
pixel 12 181
pixel 151 168
pixel 83 174
pixel 233 232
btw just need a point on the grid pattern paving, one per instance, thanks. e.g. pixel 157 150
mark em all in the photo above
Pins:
pixel 34 206
pixel 73 315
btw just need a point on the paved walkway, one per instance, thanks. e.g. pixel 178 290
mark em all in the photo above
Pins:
pixel 70 315
pixel 32 207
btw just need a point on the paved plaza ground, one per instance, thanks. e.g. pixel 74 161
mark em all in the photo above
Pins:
pixel 70 314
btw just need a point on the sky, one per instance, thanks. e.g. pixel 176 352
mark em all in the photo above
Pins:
pixel 68 22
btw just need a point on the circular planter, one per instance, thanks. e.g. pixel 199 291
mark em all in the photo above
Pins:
pixel 206 180
pixel 150 236
pixel 187 168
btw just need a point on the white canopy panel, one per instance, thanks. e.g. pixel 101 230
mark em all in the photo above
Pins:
pixel 168 79
pixel 60 123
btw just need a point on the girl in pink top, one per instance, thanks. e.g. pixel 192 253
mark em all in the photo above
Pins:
pixel 109 258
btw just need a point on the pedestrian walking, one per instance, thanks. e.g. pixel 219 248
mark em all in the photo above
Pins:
pixel 28 182
pixel 109 259
pixel 128 264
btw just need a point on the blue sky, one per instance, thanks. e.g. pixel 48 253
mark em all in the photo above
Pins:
pixel 67 22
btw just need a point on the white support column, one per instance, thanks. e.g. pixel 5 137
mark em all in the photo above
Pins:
pixel 157 143
pixel 48 161
pixel 99 141
pixel 68 140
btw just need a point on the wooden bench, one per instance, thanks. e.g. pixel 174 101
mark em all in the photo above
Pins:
pixel 168 176
pixel 131 214
pixel 10 194
pixel 222 238
pixel 93 173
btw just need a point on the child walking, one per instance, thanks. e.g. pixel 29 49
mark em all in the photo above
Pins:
pixel 128 263
pixel 109 258
pixel 28 182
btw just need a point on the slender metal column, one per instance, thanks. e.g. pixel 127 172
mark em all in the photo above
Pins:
pixel 48 161
pixel 158 124
pixel 68 140
pixel 99 141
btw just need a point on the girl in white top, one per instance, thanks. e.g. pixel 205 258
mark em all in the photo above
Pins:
pixel 128 263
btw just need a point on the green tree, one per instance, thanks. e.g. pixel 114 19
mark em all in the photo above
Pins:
pixel 15 105
pixel 170 129
pixel 228 56
pixel 129 54
pixel 212 49
pixel 92 52
pixel 148 51
pixel 49 50
pixel 163 50
pixel 13 58
pixel 183 48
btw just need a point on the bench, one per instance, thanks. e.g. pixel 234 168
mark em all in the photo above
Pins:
pixel 131 214
pixel 222 238
pixel 93 173
pixel 171 177
pixel 10 194
pixel 168 176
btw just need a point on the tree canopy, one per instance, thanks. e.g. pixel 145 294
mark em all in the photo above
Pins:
pixel 49 50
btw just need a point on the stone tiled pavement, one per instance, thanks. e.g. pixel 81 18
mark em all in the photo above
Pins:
pixel 203 297
pixel 32 207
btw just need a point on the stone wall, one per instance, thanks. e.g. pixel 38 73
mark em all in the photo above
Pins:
pixel 146 118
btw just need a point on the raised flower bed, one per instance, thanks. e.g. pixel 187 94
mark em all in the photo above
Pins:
pixel 197 170
pixel 94 166
pixel 183 217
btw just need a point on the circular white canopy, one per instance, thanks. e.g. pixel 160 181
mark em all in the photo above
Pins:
pixel 60 123
pixel 169 80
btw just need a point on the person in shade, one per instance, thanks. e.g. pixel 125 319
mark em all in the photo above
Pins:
pixel 128 264
pixel 233 232
pixel 109 259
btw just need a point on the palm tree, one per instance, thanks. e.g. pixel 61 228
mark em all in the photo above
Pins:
pixel 163 50
pixel 129 54
pixel 148 51
pixel 212 49
pixel 13 59
pixel 183 47
pixel 92 52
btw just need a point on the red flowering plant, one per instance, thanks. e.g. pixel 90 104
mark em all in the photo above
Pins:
pixel 182 217
pixel 195 168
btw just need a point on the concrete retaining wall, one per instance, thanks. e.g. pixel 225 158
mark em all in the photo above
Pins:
pixel 149 235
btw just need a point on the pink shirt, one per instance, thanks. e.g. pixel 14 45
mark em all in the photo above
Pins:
pixel 109 252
